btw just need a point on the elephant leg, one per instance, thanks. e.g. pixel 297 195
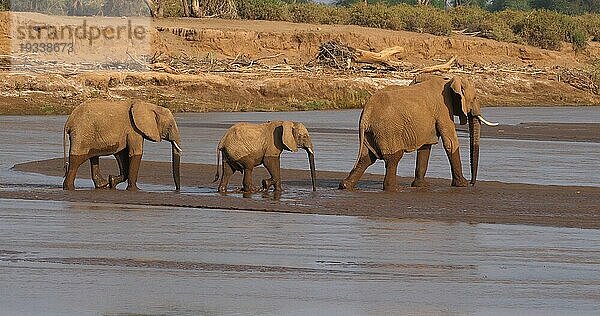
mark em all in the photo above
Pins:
pixel 273 166
pixel 122 158
pixel 421 168
pixel 134 168
pixel 451 146
pixel 227 172
pixel 247 182
pixel 366 160
pixel 74 163
pixel 99 181
pixel 391 169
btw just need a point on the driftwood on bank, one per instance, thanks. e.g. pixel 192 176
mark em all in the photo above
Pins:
pixel 338 55
pixel 384 57
pixel 445 67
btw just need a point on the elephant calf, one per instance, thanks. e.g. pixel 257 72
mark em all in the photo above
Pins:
pixel 102 128
pixel 245 146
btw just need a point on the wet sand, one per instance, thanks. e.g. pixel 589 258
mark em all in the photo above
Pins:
pixel 488 202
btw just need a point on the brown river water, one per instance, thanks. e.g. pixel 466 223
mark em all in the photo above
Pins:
pixel 65 258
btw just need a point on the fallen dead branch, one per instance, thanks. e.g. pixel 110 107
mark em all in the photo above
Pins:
pixel 464 32
pixel 445 67
pixel 338 55
pixel 383 57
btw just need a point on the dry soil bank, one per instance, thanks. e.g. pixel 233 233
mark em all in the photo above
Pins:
pixel 201 75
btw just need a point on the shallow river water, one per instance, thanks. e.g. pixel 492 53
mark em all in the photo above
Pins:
pixel 60 258
pixel 336 145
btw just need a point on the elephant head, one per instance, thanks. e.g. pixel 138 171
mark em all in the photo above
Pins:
pixel 294 135
pixel 157 123
pixel 462 102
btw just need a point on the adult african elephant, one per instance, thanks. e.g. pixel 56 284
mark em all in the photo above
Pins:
pixel 400 119
pixel 245 146
pixel 101 128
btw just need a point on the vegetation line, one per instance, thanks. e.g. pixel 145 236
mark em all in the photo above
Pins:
pixel 519 21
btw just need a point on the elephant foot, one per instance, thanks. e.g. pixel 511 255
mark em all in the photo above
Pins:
pixel 250 190
pixel 460 182
pixel 346 185
pixel 132 188
pixel 113 181
pixel 392 188
pixel 101 184
pixel 267 183
pixel 419 183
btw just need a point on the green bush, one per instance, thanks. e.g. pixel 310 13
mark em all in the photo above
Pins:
pixel 590 23
pixel 317 14
pixel 424 19
pixel 336 15
pixel 476 19
pixel 306 13
pixel 374 15
pixel 511 17
pixel 542 29
pixel 124 8
pixel 172 8
pixel 578 38
pixel 470 18
pixel 273 10
pixel 497 29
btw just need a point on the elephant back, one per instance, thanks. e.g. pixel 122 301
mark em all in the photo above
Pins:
pixel 243 139
pixel 398 119
pixel 98 125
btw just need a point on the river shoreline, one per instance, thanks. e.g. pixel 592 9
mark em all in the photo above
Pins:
pixel 488 202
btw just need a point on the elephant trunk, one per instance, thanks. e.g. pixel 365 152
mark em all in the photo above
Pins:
pixel 176 163
pixel 311 161
pixel 474 137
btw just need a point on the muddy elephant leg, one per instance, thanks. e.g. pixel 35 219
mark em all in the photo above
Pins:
pixel 421 168
pixel 247 182
pixel 366 160
pixel 227 172
pixel 123 162
pixel 273 166
pixel 134 168
pixel 74 163
pixel 391 169
pixel 99 181
pixel 451 146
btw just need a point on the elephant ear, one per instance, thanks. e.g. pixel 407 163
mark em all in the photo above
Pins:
pixel 287 136
pixel 145 119
pixel 460 104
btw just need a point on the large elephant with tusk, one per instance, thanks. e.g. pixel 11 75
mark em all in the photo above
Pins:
pixel 400 119
pixel 102 128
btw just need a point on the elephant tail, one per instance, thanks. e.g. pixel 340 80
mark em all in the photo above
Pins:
pixel 66 132
pixel 363 143
pixel 217 176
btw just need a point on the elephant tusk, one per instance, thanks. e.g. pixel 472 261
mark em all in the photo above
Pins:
pixel 177 147
pixel 486 122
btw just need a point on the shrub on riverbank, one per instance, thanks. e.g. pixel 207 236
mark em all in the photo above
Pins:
pixel 540 28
